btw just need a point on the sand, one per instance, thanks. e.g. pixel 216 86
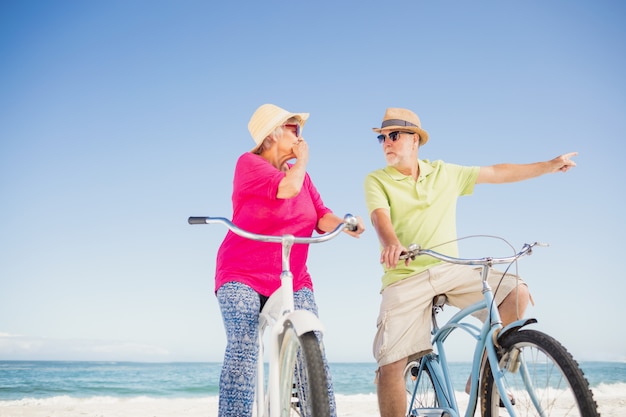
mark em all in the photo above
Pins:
pixel 611 403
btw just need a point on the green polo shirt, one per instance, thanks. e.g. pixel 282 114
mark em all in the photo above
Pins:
pixel 422 212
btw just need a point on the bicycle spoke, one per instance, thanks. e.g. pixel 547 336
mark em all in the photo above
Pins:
pixel 303 374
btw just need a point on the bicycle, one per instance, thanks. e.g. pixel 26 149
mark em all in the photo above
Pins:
pixel 297 382
pixel 516 372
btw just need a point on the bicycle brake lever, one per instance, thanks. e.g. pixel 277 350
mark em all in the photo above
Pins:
pixel 411 253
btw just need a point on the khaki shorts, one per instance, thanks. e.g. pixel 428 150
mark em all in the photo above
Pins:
pixel 404 321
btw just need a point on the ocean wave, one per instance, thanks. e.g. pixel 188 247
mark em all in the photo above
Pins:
pixel 610 390
pixel 66 400
pixel 601 391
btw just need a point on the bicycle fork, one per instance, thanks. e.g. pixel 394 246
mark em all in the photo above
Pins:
pixel 514 364
pixel 297 322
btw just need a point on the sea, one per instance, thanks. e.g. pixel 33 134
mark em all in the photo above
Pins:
pixel 21 380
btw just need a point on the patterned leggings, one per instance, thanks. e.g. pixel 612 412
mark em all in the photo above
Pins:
pixel 240 306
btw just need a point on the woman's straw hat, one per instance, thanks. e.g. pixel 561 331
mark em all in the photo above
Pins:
pixel 267 118
pixel 404 120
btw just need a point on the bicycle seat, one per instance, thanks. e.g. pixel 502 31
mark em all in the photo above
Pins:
pixel 439 301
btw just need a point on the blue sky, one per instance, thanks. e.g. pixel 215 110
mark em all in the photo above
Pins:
pixel 119 119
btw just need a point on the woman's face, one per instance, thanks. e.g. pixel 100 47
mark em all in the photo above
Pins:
pixel 288 139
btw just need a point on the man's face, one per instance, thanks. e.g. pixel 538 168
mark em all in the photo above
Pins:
pixel 400 147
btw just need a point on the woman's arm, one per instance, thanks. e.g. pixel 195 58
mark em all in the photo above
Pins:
pixel 329 222
pixel 291 184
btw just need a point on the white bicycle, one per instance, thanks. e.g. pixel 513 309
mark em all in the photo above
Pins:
pixel 297 383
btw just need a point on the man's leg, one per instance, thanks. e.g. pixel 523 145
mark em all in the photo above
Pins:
pixel 514 305
pixel 391 389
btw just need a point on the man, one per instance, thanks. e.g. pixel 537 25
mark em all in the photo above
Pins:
pixel 414 201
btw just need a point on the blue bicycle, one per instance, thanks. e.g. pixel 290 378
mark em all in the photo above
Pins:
pixel 516 371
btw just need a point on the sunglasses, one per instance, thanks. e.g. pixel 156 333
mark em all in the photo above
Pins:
pixel 294 126
pixel 394 136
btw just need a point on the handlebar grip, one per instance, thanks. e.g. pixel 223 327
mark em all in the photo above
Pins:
pixel 197 220
pixel 352 224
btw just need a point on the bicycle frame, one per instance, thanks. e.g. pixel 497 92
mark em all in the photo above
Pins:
pixel 277 312
pixel 486 338
pixel 277 315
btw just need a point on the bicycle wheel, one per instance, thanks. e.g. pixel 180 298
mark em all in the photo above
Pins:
pixel 421 384
pixel 542 378
pixel 303 387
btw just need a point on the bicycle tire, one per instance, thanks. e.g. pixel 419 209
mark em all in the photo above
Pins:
pixel 425 396
pixel 303 374
pixel 557 380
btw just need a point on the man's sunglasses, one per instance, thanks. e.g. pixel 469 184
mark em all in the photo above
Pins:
pixel 294 126
pixel 394 136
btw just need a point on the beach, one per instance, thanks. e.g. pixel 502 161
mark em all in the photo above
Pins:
pixel 611 401
pixel 133 389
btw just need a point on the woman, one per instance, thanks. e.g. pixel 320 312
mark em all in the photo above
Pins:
pixel 270 196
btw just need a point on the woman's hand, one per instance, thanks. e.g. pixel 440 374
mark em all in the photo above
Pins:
pixel 330 221
pixel 360 228
pixel 301 150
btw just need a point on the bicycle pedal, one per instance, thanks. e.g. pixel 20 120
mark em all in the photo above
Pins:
pixel 511 398
pixel 430 412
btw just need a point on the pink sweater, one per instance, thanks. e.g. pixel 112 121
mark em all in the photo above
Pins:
pixel 256 209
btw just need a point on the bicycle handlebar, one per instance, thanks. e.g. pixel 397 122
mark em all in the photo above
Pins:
pixel 350 222
pixel 415 250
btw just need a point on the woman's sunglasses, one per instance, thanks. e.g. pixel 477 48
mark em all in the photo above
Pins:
pixel 295 127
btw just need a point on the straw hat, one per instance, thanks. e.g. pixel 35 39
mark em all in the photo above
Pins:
pixel 267 118
pixel 404 120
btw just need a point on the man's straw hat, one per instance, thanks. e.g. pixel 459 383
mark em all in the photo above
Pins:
pixel 403 120
pixel 267 118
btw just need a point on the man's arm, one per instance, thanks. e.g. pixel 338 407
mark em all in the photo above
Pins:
pixel 392 248
pixel 503 173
